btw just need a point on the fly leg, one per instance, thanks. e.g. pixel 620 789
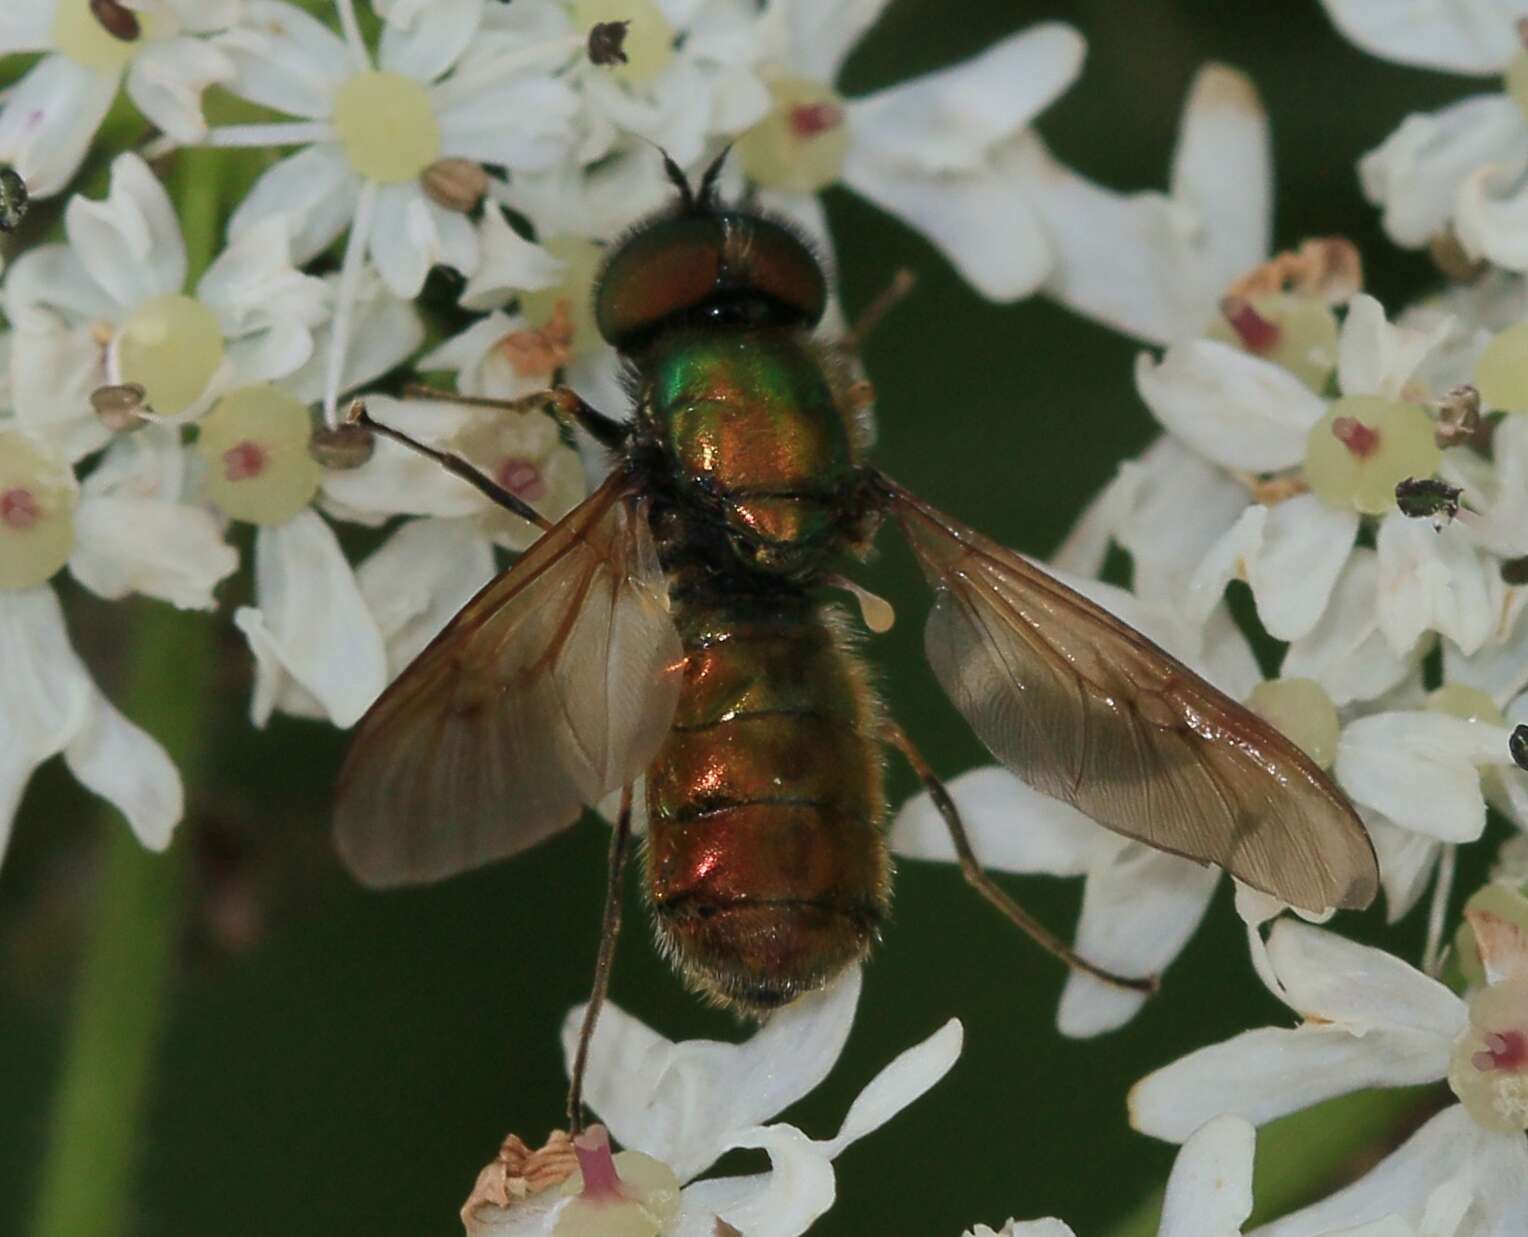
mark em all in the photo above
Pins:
pixel 453 464
pixel 564 403
pixel 977 877
pixel 610 929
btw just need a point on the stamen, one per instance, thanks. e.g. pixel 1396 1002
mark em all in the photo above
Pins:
pixel 119 22
pixel 345 297
pixel 1257 333
pixel 243 460
pixel 1357 437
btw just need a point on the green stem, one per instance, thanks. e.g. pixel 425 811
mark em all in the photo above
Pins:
pixel 123 1002
pixel 1303 1156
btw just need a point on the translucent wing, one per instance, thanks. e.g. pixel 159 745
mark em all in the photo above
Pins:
pixel 554 686
pixel 1089 711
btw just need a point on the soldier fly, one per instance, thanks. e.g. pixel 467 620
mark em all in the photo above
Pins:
pixel 673 629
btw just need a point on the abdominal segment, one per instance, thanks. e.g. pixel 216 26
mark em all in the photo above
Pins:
pixel 766 864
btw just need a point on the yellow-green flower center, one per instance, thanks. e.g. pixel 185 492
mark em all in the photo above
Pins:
pixel 37 496
pixel 1364 445
pixel 800 144
pixel 1488 1067
pixel 1515 81
pixel 1297 332
pixel 582 260
pixel 1301 710
pixel 642 1200
pixel 387 126
pixel 96 40
pixel 1469 703
pixel 171 347
pixel 255 448
pixel 649 45
pixel 1501 373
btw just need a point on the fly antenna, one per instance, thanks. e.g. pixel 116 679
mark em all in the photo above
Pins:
pixel 680 182
pixel 706 198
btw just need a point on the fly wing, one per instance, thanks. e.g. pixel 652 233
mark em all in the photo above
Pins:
pixel 1086 709
pixel 554 686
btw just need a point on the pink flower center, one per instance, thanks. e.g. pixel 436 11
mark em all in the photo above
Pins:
pixel 814 119
pixel 1257 333
pixel 602 1183
pixel 1504 1050
pixel 19 510
pixel 1360 439
pixel 243 460
pixel 521 478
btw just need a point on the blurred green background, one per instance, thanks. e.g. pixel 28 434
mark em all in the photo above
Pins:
pixel 343 1062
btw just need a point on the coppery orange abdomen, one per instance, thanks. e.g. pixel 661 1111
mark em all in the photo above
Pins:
pixel 765 861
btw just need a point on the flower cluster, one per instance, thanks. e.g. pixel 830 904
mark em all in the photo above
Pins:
pixel 157 392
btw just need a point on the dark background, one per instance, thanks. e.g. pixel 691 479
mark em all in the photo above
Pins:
pixel 339 1061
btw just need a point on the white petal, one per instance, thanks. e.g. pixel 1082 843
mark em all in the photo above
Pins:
pixel 1331 979
pixel 1434 579
pixel 1137 915
pixel 286 59
pixel 311 622
pixel 953 120
pixel 1123 260
pixel 49 120
pixel 682 1103
pixel 1420 770
pixel 387 330
pixel 1433 1159
pixel 1223 171
pixel 1238 410
pixel 127 767
pixel 1305 546
pixel 1491 214
pixel 166 81
pixel 253 285
pixel 1407 861
pixel 418 579
pixel 169 550
pixel 524 123
pixel 781 1203
pixel 1376 358
pixel 909 1075
pixel 821 36
pixel 1267 1073
pixel 978 219
pixel 130 242
pixel 424 38
pixel 314 188
pixel 1501 1182
pixel 510 264
pixel 1209 1193
pixel 1500 668
pixel 1460 37
pixel 1012 828
pixel 1418 172
pixel 1345 651
pixel 26 26
pixel 46 693
pixel 48 288
pixel 1226 560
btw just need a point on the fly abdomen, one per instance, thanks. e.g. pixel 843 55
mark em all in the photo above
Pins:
pixel 765 860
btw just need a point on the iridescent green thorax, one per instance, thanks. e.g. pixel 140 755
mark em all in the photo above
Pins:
pixel 749 422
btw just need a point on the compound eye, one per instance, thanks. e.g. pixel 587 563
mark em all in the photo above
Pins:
pixel 771 259
pixel 671 266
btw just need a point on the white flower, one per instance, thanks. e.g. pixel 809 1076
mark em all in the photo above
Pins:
pixel 1140 906
pixel 50 704
pixel 688 74
pixel 1373 1021
pixel 946 153
pixel 687 1104
pixel 51 115
pixel 1155 265
pixel 371 132
pixel 112 307
pixel 1460 167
